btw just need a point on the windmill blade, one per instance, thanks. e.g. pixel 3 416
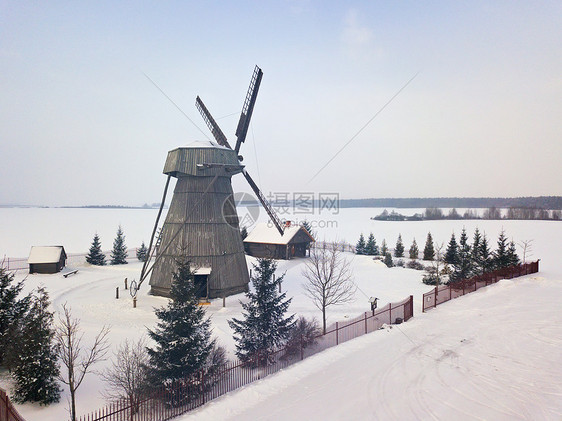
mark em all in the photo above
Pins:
pixel 211 123
pixel 248 108
pixel 266 205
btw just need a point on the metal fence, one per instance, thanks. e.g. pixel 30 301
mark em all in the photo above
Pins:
pixel 341 246
pixel 175 399
pixel 73 259
pixel 7 410
pixel 444 293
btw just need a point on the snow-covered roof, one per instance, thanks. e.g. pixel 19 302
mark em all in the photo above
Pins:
pixel 267 233
pixel 204 144
pixel 45 254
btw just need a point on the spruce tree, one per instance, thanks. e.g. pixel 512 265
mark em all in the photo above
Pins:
pixel 384 248
pixel 428 251
pixel 12 311
pixel 182 333
pixel 486 263
pixel 501 256
pixel 399 249
pixel 476 240
pixel 463 269
pixel 264 326
pixel 360 247
pixel 119 252
pixel 371 248
pixel 512 255
pixel 96 256
pixel 142 253
pixel 308 226
pixel 388 260
pixel 414 250
pixel 452 252
pixel 36 368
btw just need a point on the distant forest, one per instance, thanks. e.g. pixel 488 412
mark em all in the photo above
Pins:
pixel 540 202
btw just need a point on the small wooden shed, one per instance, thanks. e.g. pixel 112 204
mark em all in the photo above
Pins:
pixel 46 259
pixel 265 241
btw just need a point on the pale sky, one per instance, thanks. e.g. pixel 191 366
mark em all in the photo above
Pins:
pixel 81 124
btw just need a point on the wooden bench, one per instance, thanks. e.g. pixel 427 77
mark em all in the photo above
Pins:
pixel 72 272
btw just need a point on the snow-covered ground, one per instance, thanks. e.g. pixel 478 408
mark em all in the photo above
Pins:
pixel 494 354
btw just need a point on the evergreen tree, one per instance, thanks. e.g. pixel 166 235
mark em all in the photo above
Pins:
pixel 264 326
pixel 384 248
pixel 399 249
pixel 119 252
pixel 36 368
pixel 182 334
pixel 371 248
pixel 486 263
pixel 142 253
pixel 12 311
pixel 360 247
pixel 388 260
pixel 96 256
pixel 512 255
pixel 463 269
pixel 475 252
pixel 308 226
pixel 452 252
pixel 501 256
pixel 428 251
pixel 414 250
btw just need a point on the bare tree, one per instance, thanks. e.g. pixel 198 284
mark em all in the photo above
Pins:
pixel 329 278
pixel 126 378
pixel 527 247
pixel 76 359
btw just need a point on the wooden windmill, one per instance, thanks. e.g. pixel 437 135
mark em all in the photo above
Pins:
pixel 202 224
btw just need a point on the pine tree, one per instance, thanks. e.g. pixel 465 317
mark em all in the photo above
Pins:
pixel 501 256
pixel 360 247
pixel 142 253
pixel 428 251
pixel 384 248
pixel 119 252
pixel 308 226
pixel 414 250
pixel 399 249
pixel 371 248
pixel 36 369
pixel 452 252
pixel 12 311
pixel 388 260
pixel 264 326
pixel 182 334
pixel 512 255
pixel 96 256
pixel 486 263
pixel 463 269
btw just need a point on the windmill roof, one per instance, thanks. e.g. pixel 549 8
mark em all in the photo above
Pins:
pixel 45 254
pixel 204 144
pixel 267 233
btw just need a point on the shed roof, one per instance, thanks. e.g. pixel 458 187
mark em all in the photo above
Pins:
pixel 268 234
pixel 45 254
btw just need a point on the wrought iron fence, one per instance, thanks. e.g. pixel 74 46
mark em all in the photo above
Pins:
pixel 443 293
pixel 172 400
pixel 7 410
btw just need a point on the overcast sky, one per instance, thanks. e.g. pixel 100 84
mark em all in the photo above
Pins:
pixel 81 124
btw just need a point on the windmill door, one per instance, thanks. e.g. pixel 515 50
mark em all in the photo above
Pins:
pixel 201 285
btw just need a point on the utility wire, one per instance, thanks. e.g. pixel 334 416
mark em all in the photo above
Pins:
pixel 176 105
pixel 362 128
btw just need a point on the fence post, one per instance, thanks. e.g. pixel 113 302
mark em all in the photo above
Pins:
pixel 390 312
pixel 337 332
pixel 365 314
pixel 411 306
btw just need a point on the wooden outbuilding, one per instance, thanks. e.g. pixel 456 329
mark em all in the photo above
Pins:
pixel 265 241
pixel 46 259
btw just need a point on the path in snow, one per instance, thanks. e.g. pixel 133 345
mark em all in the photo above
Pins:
pixel 494 354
